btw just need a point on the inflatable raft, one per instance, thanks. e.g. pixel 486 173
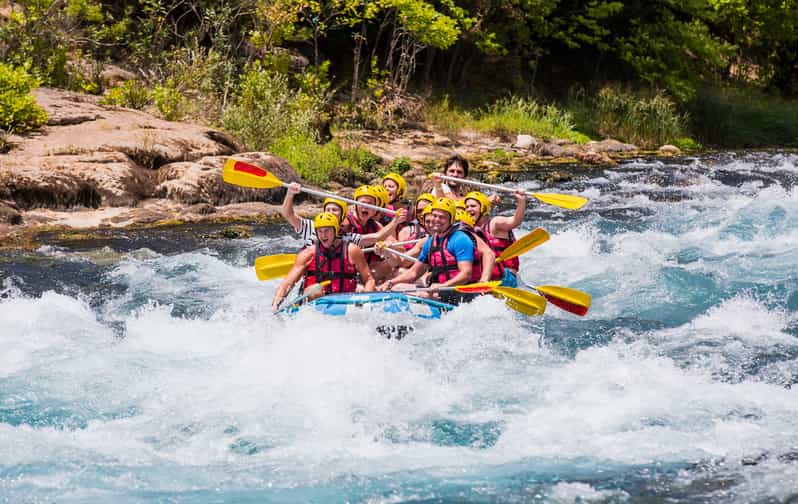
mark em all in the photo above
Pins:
pixel 395 308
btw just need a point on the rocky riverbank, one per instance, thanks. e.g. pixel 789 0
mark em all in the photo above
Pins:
pixel 101 166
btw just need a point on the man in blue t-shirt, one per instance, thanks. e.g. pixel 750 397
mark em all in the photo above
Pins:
pixel 448 255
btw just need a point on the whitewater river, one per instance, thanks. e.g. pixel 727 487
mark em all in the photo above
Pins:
pixel 148 367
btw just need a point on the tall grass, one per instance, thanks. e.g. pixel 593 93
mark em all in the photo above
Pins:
pixel 506 117
pixel 646 119
pixel 743 118
pixel 317 163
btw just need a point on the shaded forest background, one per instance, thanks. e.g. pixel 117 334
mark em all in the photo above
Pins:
pixel 286 75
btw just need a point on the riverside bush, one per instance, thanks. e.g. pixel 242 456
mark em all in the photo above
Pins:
pixel 514 115
pixel 736 118
pixel 315 163
pixel 169 101
pixel 507 117
pixel 267 109
pixel 130 94
pixel 19 110
pixel 644 119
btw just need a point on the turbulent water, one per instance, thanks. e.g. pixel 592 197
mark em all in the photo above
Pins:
pixel 150 368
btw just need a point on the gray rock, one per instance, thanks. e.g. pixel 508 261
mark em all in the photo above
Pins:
pixel 525 142
pixel 669 150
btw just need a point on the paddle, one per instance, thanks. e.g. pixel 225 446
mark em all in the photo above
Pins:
pixel 521 301
pixel 567 201
pixel 278 265
pixel 312 291
pixel 570 300
pixel 274 266
pixel 524 244
pixel 244 174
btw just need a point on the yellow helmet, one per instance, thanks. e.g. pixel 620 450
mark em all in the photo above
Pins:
pixel 484 202
pixel 426 211
pixel 366 190
pixel 445 204
pixel 383 198
pixel 464 217
pixel 400 182
pixel 326 219
pixel 341 204
pixel 425 197
pixel 460 204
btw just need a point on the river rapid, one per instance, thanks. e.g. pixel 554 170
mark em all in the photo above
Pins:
pixel 147 366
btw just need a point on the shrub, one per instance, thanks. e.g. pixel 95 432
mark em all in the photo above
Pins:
pixel 400 165
pixel 203 77
pixel 644 119
pixel 315 162
pixel 506 117
pixel 737 118
pixel 510 116
pixel 445 117
pixel 131 94
pixel 18 108
pixel 266 109
pixel 169 101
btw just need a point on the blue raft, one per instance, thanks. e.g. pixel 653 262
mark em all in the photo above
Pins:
pixel 339 305
pixel 393 307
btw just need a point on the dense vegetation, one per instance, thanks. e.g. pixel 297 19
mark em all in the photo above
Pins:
pixel 281 73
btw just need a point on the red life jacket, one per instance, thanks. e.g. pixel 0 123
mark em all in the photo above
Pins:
pixel 444 264
pixel 417 233
pixel 499 244
pixel 332 265
pixel 363 229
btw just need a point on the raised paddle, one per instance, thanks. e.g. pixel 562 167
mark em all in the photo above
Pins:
pixel 278 265
pixel 524 244
pixel 566 201
pixel 245 174
pixel 570 300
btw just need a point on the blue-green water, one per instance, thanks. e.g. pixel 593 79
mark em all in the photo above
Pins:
pixel 151 368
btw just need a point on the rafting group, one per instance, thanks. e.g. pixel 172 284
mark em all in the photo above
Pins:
pixel 444 245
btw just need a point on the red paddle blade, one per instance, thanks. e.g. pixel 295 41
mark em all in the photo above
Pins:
pixel 567 306
pixel 245 174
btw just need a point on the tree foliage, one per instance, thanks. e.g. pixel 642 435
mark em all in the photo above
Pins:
pixel 678 45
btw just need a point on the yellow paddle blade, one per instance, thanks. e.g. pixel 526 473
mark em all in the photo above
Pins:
pixel 245 174
pixel 572 300
pixel 567 201
pixel 522 301
pixel 478 288
pixel 524 244
pixel 274 266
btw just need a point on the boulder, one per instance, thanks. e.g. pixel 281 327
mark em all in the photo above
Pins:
pixel 596 158
pixel 89 180
pixel 112 76
pixel 193 182
pixel 611 146
pixel 669 150
pixel 9 214
pixel 525 142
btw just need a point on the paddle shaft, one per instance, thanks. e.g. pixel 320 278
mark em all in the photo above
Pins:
pixel 401 254
pixel 350 201
pixel 481 184
pixel 395 244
